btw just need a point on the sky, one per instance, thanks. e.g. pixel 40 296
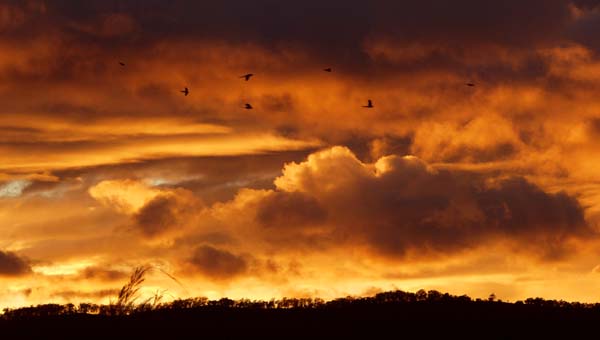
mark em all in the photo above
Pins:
pixel 492 188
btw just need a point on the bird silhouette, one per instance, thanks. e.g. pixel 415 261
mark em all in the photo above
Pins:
pixel 247 76
pixel 470 84
pixel 369 105
pixel 121 63
pixel 185 91
pixel 328 69
pixel 248 106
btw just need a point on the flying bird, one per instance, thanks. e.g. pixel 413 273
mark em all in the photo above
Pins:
pixel 369 105
pixel 470 84
pixel 327 69
pixel 248 106
pixel 185 91
pixel 121 63
pixel 247 76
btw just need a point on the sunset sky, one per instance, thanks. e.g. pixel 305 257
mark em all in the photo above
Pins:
pixel 493 188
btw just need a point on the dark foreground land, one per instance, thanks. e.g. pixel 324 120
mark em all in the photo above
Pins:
pixel 392 315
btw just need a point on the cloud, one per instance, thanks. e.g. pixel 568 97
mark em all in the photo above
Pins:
pixel 18 19
pixel 336 32
pixel 117 24
pixel 124 195
pixel 217 263
pixel 400 206
pixel 282 209
pixel 13 265
pixel 69 295
pixel 14 188
pixel 376 48
pixel 167 211
pixel 483 139
pixel 120 162
pixel 213 178
pixel 586 4
pixel 27 156
pixel 335 21
pixel 103 274
pixel 154 210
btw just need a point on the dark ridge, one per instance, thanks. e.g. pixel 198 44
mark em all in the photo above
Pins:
pixel 395 314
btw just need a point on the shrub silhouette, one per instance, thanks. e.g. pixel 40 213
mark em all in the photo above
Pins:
pixel 129 293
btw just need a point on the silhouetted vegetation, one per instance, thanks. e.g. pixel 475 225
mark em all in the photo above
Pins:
pixel 424 312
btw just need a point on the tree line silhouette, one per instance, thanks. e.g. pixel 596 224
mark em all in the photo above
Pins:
pixel 425 313
pixel 432 299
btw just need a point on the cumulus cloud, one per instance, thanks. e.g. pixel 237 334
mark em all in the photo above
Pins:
pixel 401 205
pixel 13 265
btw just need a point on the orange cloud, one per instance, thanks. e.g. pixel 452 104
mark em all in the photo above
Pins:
pixel 13 265
pixel 108 164
pixel 127 196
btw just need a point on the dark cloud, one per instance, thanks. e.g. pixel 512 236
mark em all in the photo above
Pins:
pixel 103 274
pixel 335 23
pixel 11 17
pixel 157 216
pixel 515 210
pixel 406 206
pixel 282 103
pixel 451 213
pixel 586 4
pixel 583 30
pixel 333 32
pixel 79 295
pixel 217 263
pixel 165 212
pixel 593 126
pixel 468 22
pixel 282 210
pixel 13 265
